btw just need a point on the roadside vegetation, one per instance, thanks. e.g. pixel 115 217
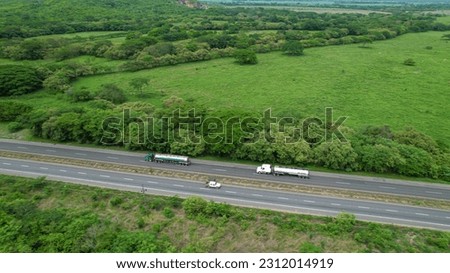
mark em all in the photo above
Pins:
pixel 71 79
pixel 37 215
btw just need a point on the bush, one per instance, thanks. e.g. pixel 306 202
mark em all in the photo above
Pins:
pixel 80 95
pixel 409 62
pixel 112 93
pixel 14 127
pixel 116 201
pixel 194 206
pixel 168 213
pixel 245 56
pixel 18 80
pixel 10 110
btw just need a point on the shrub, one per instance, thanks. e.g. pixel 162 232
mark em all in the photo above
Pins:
pixel 10 110
pixel 310 248
pixel 18 80
pixel 80 95
pixel 168 213
pixel 115 201
pixel 112 93
pixel 14 127
pixel 409 62
pixel 245 56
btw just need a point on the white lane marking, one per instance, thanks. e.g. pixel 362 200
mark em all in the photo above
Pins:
pixel 176 185
pixel 258 195
pixel 335 204
pixel 143 161
pixel 112 157
pixel 82 173
pixel 309 201
pixel 152 182
pixel 220 170
pixel 422 214
pixel 385 187
pixel 434 192
pixel 80 154
pixel 283 198
pixel 51 151
pixel 8 164
pixel 25 166
pixel 106 176
pixel 233 192
pixel 21 147
pixel 43 168
pixel 392 210
pixel 361 207
pixel 63 171
pixel 128 179
pixel 343 183
pixel 448 217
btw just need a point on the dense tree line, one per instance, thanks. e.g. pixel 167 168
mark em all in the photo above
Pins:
pixel 141 126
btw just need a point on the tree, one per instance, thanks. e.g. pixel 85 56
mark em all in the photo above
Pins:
pixel 245 56
pixel 336 155
pixel 293 48
pixel 112 93
pixel 380 158
pixel 18 80
pixel 138 84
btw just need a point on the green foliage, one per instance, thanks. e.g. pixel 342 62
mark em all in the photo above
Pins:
pixel 377 238
pixel 139 84
pixel 10 110
pixel 292 48
pixel 343 223
pixel 409 62
pixel 336 155
pixel 18 80
pixel 81 95
pixel 380 158
pixel 245 56
pixel 168 213
pixel 14 127
pixel 116 201
pixel 194 206
pixel 112 93
pixel 308 247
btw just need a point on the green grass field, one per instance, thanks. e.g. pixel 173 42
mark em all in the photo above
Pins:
pixel 369 85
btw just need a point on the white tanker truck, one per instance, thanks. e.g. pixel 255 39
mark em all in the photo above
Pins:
pixel 167 158
pixel 277 170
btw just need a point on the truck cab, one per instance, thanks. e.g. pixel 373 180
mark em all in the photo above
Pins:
pixel 264 168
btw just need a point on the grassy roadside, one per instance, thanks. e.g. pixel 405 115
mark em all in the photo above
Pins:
pixel 46 216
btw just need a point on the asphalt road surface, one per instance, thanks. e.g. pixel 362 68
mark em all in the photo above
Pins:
pixel 268 199
pixel 327 180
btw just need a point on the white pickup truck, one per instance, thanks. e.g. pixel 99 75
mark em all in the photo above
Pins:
pixel 213 184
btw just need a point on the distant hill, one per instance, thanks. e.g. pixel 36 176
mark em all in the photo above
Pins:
pixel 38 17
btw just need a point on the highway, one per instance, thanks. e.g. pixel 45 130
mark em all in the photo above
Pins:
pixel 278 200
pixel 336 181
